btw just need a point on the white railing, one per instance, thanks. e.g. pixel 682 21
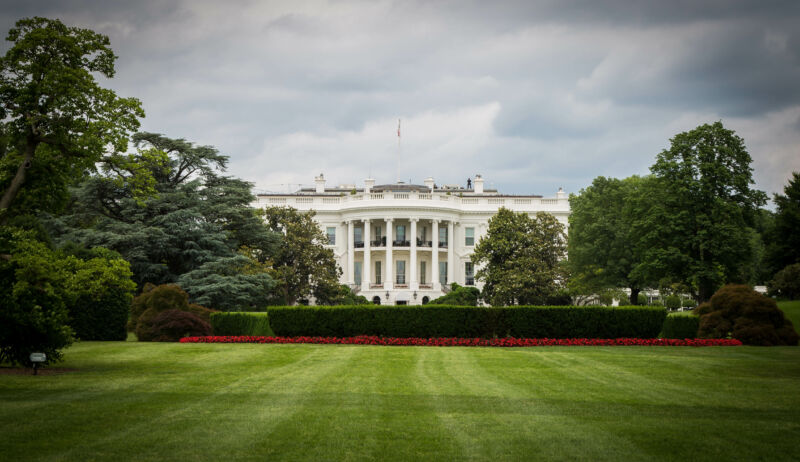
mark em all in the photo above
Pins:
pixel 497 201
pixel 522 201
pixel 550 201
pixel 330 200
pixel 305 200
pixel 376 196
pixel 425 197
pixel 277 200
pixel 469 200
pixel 401 195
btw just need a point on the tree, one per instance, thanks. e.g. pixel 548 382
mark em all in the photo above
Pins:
pixel 302 266
pixel 519 259
pixel 601 247
pixel 34 289
pixel 786 282
pixel 458 295
pixel 56 120
pixel 698 229
pixel 786 238
pixel 197 228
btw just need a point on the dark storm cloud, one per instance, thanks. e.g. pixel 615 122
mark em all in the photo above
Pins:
pixel 532 94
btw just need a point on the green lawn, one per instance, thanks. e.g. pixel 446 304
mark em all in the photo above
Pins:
pixel 138 401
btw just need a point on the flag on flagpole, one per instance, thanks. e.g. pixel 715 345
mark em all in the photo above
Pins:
pixel 398 128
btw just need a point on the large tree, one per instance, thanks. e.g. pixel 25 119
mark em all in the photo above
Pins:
pixel 55 120
pixel 698 230
pixel 602 250
pixel 197 228
pixel 520 258
pixel 786 232
pixel 302 266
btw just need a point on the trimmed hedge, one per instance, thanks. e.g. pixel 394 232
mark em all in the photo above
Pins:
pixel 467 322
pixel 238 323
pixel 680 325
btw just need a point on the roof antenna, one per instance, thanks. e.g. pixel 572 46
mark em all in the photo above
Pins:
pixel 399 153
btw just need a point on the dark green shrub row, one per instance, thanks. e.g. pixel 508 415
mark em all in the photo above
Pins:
pixel 464 321
pixel 238 323
pixel 680 325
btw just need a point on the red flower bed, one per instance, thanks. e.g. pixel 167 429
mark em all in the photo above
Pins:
pixel 454 341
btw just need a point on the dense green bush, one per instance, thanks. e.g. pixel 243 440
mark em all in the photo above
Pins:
pixel 156 299
pixel 241 324
pixel 672 302
pixel 172 325
pixel 458 295
pixel 465 321
pixel 786 283
pixel 103 292
pixel 742 313
pixel 33 299
pixel 680 325
pixel 641 299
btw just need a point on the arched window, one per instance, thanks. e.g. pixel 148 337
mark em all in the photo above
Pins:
pixel 425 300
pixel 376 300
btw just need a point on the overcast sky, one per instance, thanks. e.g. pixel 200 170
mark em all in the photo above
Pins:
pixel 533 95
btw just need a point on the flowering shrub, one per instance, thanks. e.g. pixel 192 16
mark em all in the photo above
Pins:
pixel 455 341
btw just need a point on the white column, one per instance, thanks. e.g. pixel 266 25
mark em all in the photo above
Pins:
pixel 412 271
pixel 435 256
pixel 366 270
pixel 388 282
pixel 451 255
pixel 351 254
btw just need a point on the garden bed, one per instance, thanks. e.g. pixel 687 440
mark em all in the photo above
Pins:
pixel 455 341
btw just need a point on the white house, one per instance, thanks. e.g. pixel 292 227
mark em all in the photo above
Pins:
pixel 403 243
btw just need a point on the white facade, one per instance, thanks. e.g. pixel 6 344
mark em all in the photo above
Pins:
pixel 426 232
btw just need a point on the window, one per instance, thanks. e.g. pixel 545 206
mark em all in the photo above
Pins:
pixel 423 234
pixel 357 271
pixel 331 231
pixel 443 273
pixel 401 272
pixel 469 236
pixel 378 273
pixel 358 236
pixel 469 276
pixel 377 238
pixel 422 272
pixel 376 300
pixel 400 233
pixel 442 237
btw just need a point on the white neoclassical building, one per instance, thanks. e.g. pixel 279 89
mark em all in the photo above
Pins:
pixel 403 243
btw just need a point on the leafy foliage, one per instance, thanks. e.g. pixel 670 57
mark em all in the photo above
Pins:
pixel 602 251
pixel 56 120
pixel 198 230
pixel 786 283
pixel 172 325
pixel 459 296
pixel 34 289
pixel 339 295
pixel 154 300
pixel 785 250
pixel 744 314
pixel 697 230
pixel 302 266
pixel 102 290
pixel 519 258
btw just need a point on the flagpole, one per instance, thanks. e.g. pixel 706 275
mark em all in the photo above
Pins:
pixel 399 153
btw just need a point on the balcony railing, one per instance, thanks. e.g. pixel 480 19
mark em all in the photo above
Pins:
pixel 442 244
pixel 401 243
pixel 421 243
pixel 378 242
pixel 358 244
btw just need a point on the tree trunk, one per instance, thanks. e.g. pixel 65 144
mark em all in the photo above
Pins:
pixel 634 296
pixel 16 183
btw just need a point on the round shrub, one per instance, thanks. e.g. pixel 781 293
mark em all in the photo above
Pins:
pixel 641 299
pixel 742 313
pixel 172 325
pixel 672 302
pixel 786 282
pixel 156 299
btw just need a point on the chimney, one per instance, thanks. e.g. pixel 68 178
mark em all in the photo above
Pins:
pixel 561 194
pixel 368 184
pixel 320 182
pixel 429 183
pixel 477 185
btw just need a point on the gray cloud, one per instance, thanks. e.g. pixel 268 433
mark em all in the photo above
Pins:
pixel 533 95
